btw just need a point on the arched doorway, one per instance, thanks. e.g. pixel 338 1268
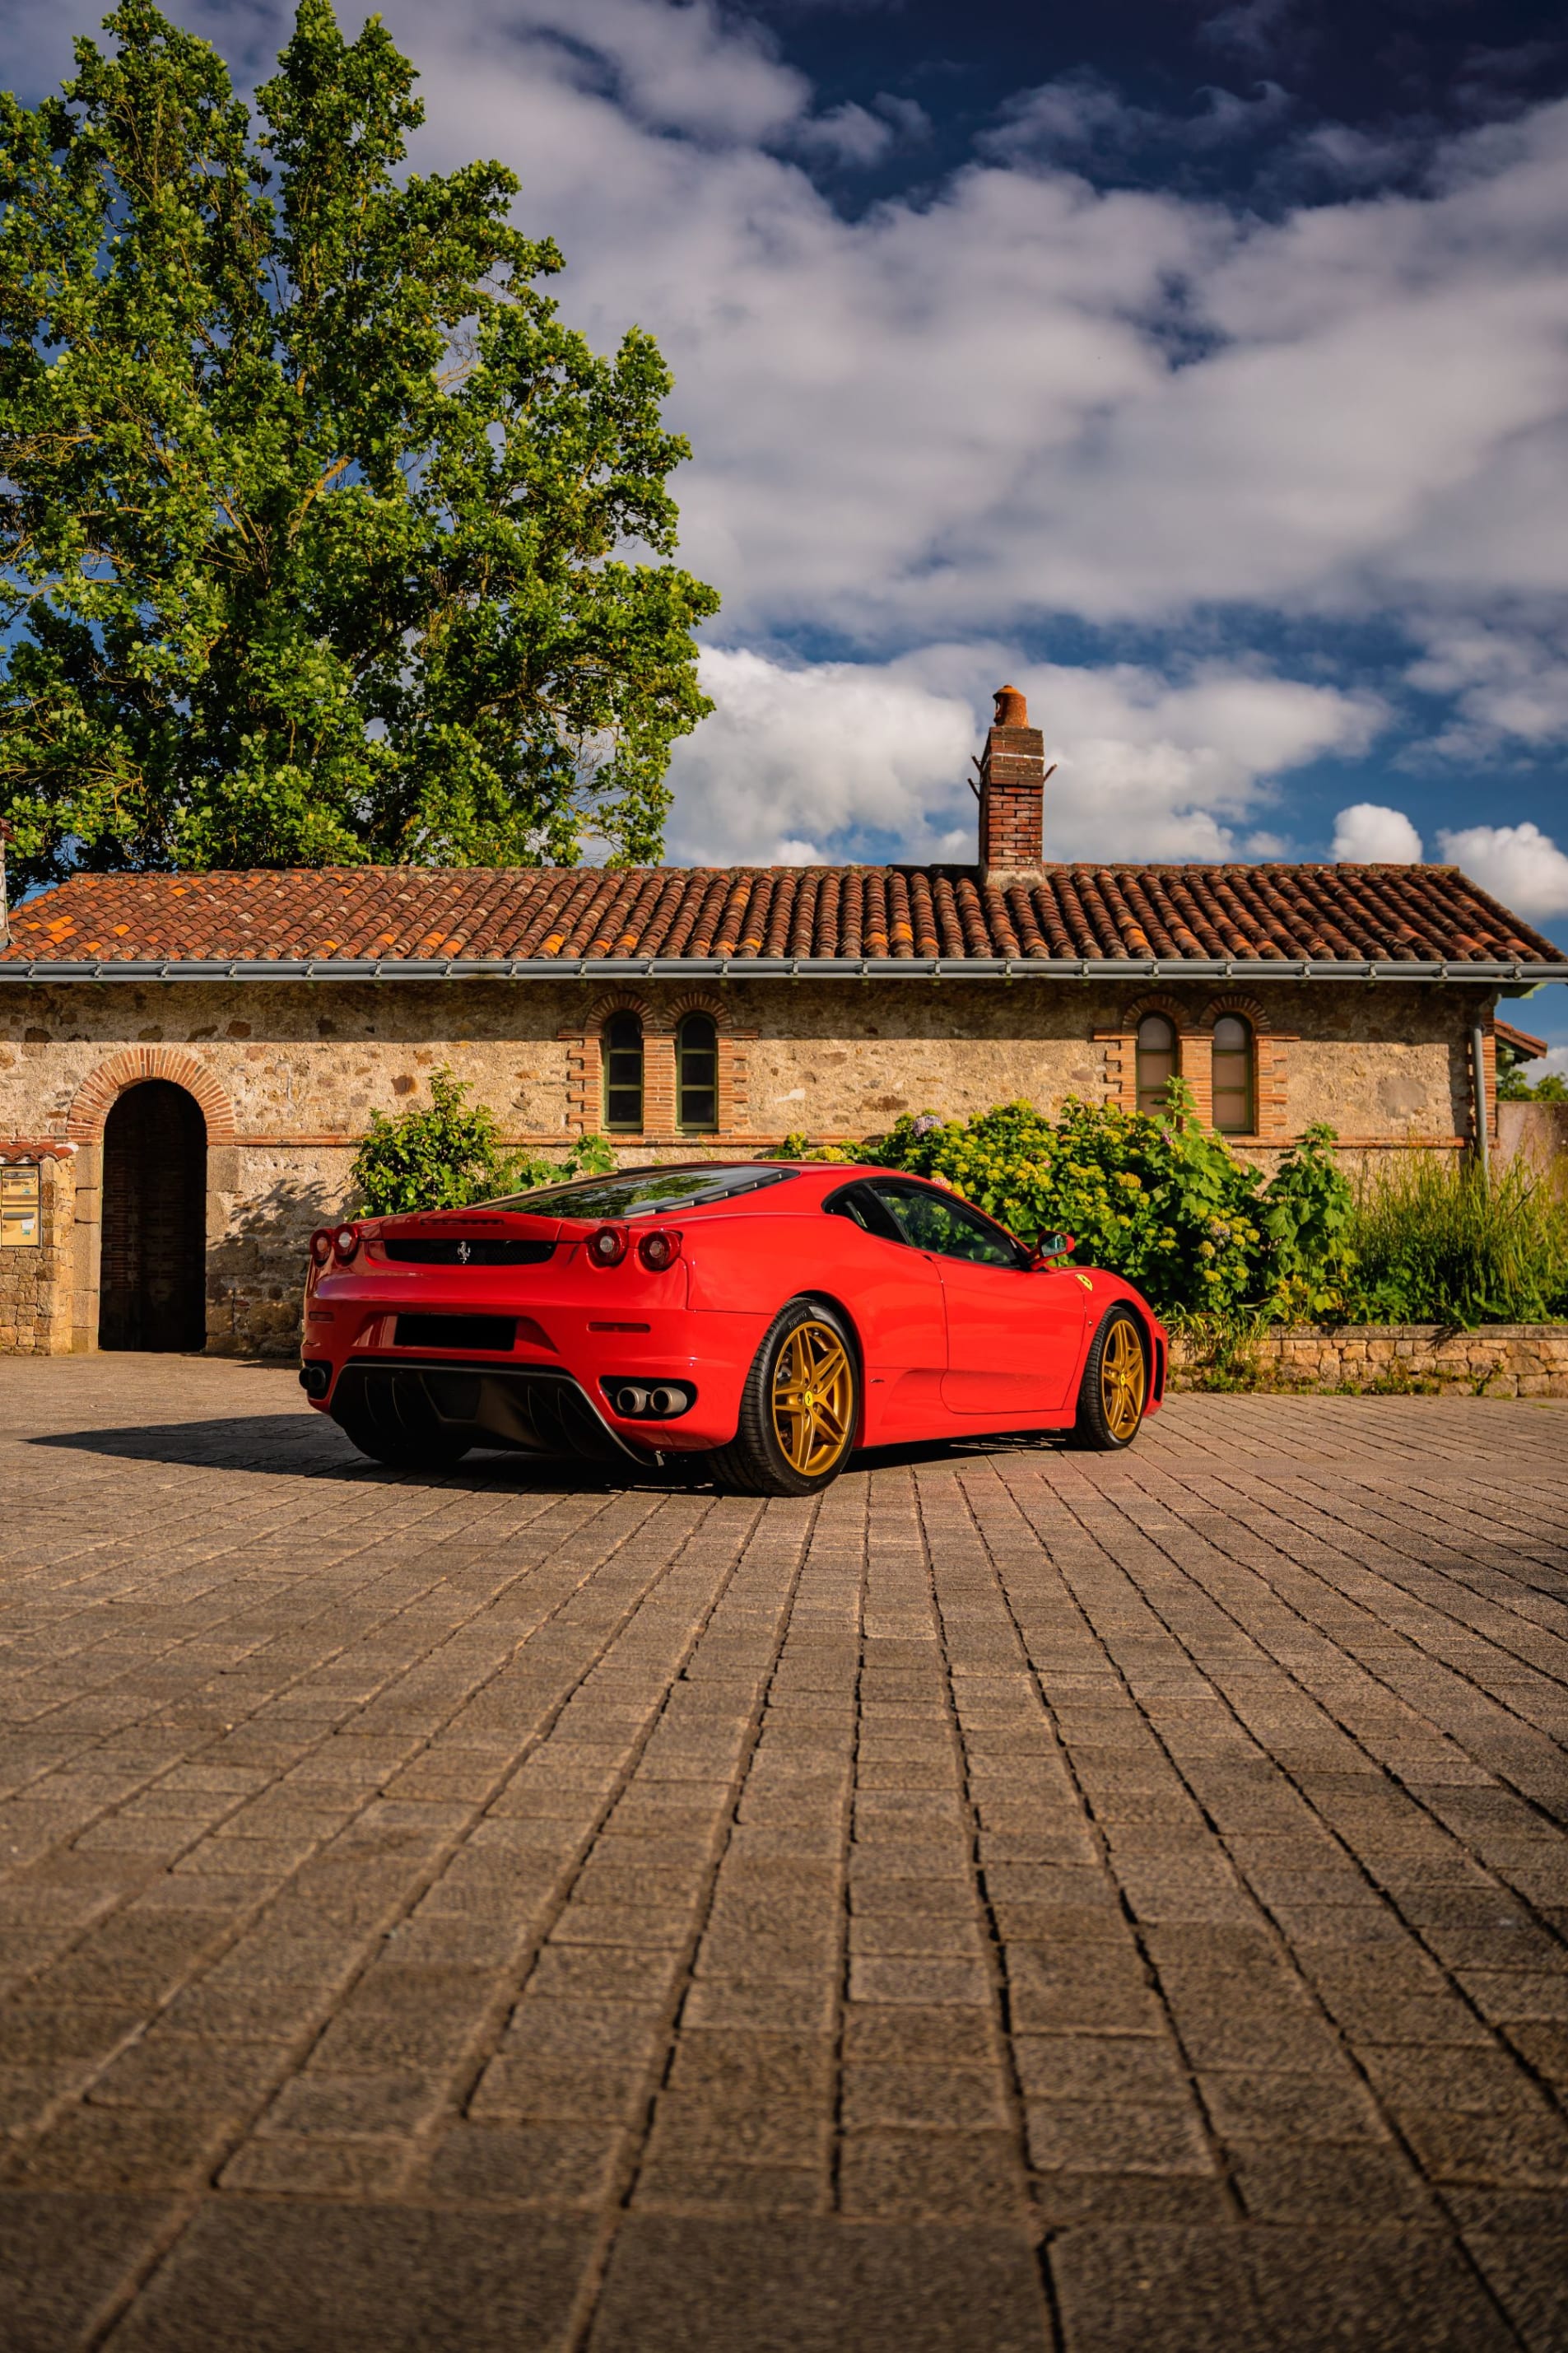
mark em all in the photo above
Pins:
pixel 152 1279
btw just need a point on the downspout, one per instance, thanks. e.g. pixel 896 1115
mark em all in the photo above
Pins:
pixel 1478 1091
pixel 5 835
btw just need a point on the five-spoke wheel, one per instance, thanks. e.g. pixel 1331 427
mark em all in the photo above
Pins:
pixel 799 1408
pixel 1115 1387
pixel 812 1399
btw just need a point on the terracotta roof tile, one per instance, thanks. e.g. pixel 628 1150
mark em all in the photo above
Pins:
pixel 1393 914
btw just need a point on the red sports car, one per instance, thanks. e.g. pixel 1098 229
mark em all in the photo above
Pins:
pixel 769 1316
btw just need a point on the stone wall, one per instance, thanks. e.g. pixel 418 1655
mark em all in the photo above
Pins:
pixel 288 1073
pixel 1522 1360
pixel 305 1059
pixel 1534 1132
pixel 35 1283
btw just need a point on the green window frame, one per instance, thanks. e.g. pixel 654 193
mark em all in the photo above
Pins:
pixel 1234 1090
pixel 1158 1062
pixel 621 1046
pixel 696 1074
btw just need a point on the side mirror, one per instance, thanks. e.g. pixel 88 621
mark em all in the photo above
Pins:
pixel 1049 1248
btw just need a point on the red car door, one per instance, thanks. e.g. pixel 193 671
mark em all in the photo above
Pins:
pixel 1014 1330
pixel 899 1308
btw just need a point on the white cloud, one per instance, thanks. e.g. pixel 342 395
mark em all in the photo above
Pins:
pixel 1509 681
pixel 1517 863
pixel 836 752
pixel 1366 835
pixel 1013 393
pixel 791 755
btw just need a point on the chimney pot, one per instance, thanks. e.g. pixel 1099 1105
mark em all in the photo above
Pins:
pixel 1012 794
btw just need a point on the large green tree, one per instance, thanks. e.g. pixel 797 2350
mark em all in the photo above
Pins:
pixel 324 540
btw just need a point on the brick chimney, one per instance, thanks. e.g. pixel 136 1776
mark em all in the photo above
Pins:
pixel 1012 792
pixel 5 835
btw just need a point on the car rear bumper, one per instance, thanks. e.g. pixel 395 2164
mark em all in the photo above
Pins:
pixel 520 1398
pixel 526 1408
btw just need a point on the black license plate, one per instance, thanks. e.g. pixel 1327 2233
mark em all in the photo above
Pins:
pixel 492 1335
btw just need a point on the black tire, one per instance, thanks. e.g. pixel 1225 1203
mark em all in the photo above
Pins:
pixel 1105 1407
pixel 756 1462
pixel 392 1422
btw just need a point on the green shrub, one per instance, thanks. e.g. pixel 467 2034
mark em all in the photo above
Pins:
pixel 1437 1244
pixel 1310 1270
pixel 1160 1200
pixel 445 1155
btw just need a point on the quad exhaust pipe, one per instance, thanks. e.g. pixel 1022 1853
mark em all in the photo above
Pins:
pixel 662 1402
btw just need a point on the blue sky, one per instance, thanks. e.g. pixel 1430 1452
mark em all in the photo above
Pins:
pixel 1201 369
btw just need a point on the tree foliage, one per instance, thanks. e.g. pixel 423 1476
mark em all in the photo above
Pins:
pixel 323 539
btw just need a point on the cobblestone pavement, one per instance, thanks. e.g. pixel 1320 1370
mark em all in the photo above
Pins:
pixel 1023 1898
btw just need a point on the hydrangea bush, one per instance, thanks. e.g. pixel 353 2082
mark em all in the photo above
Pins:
pixel 1161 1200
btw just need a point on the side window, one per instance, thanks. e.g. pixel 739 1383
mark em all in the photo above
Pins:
pixel 622 1049
pixel 931 1221
pixel 19 1207
pixel 1156 1060
pixel 697 1074
pixel 1233 1109
pixel 860 1204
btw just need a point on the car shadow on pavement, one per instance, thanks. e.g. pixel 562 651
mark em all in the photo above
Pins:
pixel 292 1446
pixel 284 1445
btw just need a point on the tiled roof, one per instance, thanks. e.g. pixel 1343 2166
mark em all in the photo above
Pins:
pixel 1521 1042
pixel 1393 914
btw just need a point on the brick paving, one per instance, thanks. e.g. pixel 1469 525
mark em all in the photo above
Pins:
pixel 1023 1899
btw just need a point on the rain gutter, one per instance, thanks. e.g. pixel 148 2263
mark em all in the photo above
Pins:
pixel 1474 972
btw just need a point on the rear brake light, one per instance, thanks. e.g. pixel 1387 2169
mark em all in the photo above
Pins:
pixel 321 1245
pixel 608 1245
pixel 661 1249
pixel 346 1243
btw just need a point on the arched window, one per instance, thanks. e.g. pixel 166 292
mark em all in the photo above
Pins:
pixel 622 1049
pixel 1233 1109
pixel 1156 1061
pixel 697 1074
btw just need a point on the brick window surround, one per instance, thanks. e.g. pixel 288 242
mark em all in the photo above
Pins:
pixel 584 1065
pixel 1194 1058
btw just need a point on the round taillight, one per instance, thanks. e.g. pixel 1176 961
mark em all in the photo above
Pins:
pixel 346 1243
pixel 321 1246
pixel 658 1250
pixel 608 1245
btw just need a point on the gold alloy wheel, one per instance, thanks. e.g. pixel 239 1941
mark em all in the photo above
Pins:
pixel 813 1400
pixel 1122 1379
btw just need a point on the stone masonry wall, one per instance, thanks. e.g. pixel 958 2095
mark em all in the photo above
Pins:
pixel 289 1073
pixel 1508 1360
pixel 35 1283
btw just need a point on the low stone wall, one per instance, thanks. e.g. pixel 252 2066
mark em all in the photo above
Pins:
pixel 1502 1360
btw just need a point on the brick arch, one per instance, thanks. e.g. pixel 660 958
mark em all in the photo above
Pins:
pixel 621 1001
pixel 1157 1002
pixel 1248 1008
pixel 97 1096
pixel 700 1000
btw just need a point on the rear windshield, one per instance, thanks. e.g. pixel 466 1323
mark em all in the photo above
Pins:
pixel 644 1192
